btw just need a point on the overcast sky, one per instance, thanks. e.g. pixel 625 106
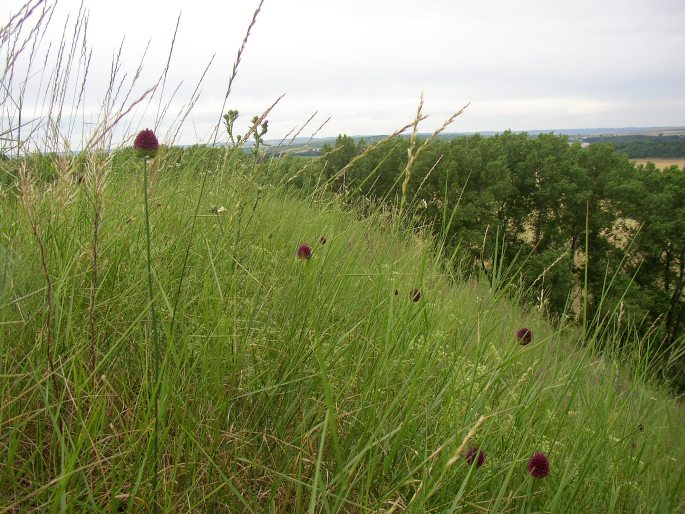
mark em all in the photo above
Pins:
pixel 523 65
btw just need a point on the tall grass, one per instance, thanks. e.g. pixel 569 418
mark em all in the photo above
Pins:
pixel 287 385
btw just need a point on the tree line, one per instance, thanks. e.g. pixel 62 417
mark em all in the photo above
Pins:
pixel 642 146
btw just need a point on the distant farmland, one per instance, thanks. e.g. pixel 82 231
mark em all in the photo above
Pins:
pixel 662 163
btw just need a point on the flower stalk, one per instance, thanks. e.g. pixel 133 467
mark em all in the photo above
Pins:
pixel 146 146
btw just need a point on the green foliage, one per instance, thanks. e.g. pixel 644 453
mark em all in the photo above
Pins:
pixel 546 200
pixel 641 146
pixel 257 130
pixel 288 384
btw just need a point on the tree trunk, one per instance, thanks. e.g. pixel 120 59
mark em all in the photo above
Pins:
pixel 675 309
pixel 574 246
pixel 667 270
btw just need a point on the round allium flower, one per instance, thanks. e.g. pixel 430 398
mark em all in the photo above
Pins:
pixel 477 455
pixel 322 240
pixel 524 336
pixel 538 465
pixel 415 295
pixel 146 143
pixel 304 252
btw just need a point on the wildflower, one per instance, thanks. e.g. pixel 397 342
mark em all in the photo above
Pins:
pixel 475 454
pixel 304 252
pixel 415 295
pixel 322 240
pixel 538 465
pixel 146 144
pixel 524 336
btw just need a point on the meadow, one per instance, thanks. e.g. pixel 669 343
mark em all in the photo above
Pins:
pixel 190 332
pixel 293 385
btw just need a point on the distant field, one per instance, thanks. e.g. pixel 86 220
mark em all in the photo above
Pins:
pixel 662 163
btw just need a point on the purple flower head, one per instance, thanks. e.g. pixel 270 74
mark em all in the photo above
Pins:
pixel 415 295
pixel 477 455
pixel 146 144
pixel 304 252
pixel 524 336
pixel 538 465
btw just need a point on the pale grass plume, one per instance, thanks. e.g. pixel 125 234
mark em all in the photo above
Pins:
pixel 413 152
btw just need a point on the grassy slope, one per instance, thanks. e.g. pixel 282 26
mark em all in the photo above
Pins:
pixel 291 385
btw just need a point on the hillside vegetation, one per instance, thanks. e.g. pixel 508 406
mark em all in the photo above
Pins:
pixel 289 384
pixel 208 329
pixel 601 238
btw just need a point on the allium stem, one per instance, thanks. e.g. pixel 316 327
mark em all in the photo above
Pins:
pixel 94 281
pixel 155 338
pixel 48 320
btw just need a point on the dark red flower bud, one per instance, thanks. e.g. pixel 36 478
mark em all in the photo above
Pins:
pixel 476 455
pixel 146 144
pixel 304 252
pixel 524 336
pixel 538 465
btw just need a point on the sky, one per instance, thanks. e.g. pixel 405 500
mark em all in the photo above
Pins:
pixel 523 65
